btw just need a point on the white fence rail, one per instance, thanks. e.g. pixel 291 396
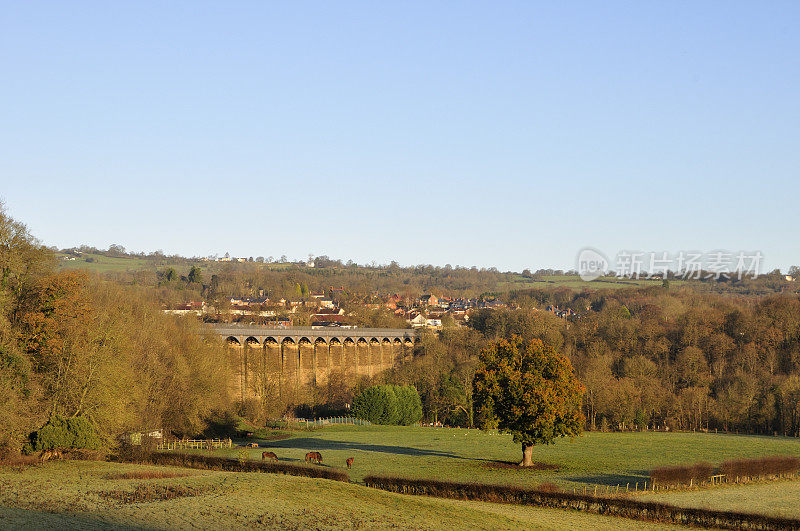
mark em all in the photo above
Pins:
pixel 329 421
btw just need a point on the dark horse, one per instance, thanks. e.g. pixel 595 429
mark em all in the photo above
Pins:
pixel 350 461
pixel 314 457
pixel 268 455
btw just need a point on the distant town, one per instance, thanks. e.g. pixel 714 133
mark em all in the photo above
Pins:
pixel 427 311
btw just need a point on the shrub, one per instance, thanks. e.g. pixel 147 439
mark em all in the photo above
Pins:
pixel 147 474
pixel 763 466
pixel 149 493
pixel 548 487
pixel 377 404
pixel 137 453
pixel 409 404
pixel 244 465
pixel 73 432
pixel 681 475
pixel 389 404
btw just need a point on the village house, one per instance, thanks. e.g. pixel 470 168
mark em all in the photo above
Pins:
pixel 418 321
pixel 435 324
pixel 329 317
pixel 193 308
pixel 428 300
pixel 278 322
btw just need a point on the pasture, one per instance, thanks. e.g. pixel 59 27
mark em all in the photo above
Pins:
pixel 575 282
pixel 98 494
pixel 774 498
pixel 454 454
pixel 95 495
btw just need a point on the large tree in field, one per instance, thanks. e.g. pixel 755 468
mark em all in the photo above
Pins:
pixel 530 390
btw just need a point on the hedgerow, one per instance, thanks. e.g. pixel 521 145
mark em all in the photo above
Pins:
pixel 241 465
pixel 614 506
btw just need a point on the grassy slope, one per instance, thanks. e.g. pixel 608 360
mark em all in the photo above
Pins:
pixel 575 282
pixel 778 498
pixel 468 455
pixel 67 494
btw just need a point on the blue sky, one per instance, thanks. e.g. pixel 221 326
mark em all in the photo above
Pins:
pixel 491 134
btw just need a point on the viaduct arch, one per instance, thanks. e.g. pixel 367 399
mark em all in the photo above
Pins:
pixel 290 362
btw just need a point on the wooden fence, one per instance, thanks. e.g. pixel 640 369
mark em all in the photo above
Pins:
pixel 329 421
pixel 195 444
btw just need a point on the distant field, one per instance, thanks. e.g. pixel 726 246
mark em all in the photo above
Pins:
pixel 104 264
pixel 474 455
pixel 100 263
pixel 81 495
pixel 575 282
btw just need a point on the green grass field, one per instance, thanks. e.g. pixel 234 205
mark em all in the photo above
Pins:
pixel 575 282
pixel 104 264
pixel 74 494
pixel 774 498
pixel 100 263
pixel 87 495
pixel 474 455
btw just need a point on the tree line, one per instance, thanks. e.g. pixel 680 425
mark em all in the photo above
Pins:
pixel 73 345
pixel 650 358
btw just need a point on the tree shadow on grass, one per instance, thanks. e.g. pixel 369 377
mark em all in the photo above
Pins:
pixel 310 443
pixel 514 465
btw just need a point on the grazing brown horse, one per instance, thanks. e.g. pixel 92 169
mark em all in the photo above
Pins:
pixel 313 457
pixel 268 455
pixel 350 461
pixel 54 453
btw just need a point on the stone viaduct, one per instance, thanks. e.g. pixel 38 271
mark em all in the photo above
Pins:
pixel 291 362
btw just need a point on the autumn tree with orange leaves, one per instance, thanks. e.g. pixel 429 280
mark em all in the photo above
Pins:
pixel 530 390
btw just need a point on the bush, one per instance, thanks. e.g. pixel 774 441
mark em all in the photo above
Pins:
pixel 682 475
pixel 775 465
pixel 250 409
pixel 409 404
pixel 389 404
pixel 137 453
pixel 73 432
pixel 244 465
pixel 377 404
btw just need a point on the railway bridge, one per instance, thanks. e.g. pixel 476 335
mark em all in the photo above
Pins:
pixel 241 334
pixel 290 362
